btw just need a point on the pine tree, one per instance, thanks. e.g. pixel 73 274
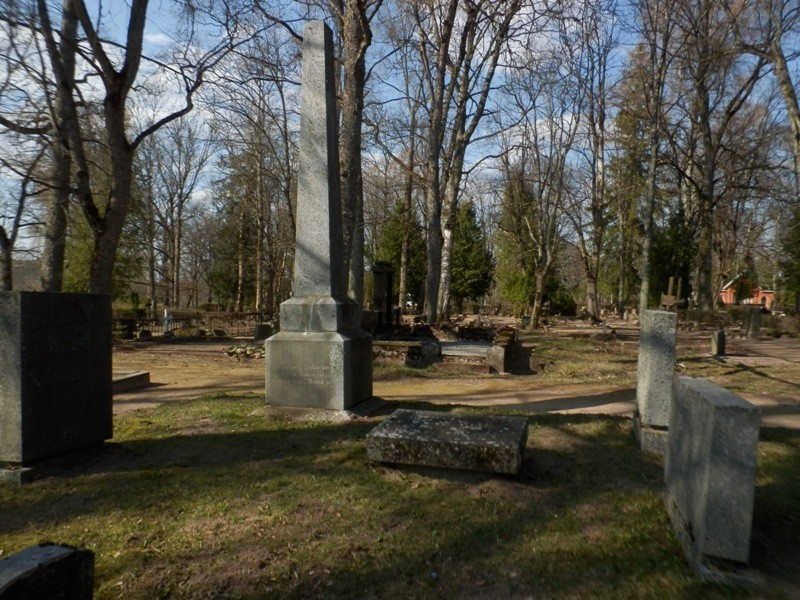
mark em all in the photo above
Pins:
pixel 473 266
pixel 390 248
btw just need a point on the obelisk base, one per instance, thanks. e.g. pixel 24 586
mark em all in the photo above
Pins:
pixel 329 370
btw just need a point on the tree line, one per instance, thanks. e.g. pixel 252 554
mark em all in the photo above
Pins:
pixel 557 152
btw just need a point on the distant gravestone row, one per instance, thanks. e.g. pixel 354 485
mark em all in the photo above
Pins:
pixel 709 438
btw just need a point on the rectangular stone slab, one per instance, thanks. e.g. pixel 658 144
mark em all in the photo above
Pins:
pixel 470 442
pixel 710 469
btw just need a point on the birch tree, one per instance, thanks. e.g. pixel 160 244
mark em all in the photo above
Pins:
pixel 460 44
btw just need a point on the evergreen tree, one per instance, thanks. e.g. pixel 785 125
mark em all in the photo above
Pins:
pixel 390 247
pixel 473 265
pixel 673 250
pixel 747 280
pixel 790 265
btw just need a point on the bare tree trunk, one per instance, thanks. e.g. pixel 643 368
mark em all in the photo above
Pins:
pixel 259 254
pixel 649 209
pixel 62 61
pixel 789 93
pixel 6 272
pixel 240 271
pixel 176 264
pixel 356 38
pixel 408 217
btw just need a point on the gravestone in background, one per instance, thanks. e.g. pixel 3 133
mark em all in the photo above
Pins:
pixel 55 374
pixel 754 323
pixel 382 284
pixel 320 358
pixel 656 369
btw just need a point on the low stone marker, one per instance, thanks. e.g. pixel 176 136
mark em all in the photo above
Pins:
pixel 710 472
pixel 655 372
pixel 718 342
pixel 754 323
pixel 469 442
pixel 51 572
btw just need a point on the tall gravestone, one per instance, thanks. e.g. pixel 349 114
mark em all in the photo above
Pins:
pixel 655 372
pixel 320 358
pixel 55 376
pixel 710 472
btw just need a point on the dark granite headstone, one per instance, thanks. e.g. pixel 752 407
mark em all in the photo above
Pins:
pixel 754 323
pixel 47 573
pixel 382 284
pixel 55 374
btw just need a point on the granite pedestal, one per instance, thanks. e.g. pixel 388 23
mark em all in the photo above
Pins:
pixel 474 443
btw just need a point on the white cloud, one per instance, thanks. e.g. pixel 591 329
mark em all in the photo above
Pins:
pixel 157 39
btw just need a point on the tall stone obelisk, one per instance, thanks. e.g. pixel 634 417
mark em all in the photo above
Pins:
pixel 320 358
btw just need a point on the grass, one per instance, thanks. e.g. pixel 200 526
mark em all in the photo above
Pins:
pixel 217 498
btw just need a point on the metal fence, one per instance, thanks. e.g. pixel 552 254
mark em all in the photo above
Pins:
pixel 188 324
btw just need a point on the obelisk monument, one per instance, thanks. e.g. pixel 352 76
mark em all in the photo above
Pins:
pixel 320 358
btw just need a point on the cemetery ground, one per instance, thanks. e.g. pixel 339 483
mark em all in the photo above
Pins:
pixel 205 493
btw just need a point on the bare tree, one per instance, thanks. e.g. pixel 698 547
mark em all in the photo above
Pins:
pixel 589 32
pixel 169 167
pixel 713 82
pixel 255 118
pixel 116 67
pixel 763 28
pixel 459 45
pixel 657 27
pixel 536 168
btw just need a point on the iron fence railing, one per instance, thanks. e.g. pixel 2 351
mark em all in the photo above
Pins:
pixel 188 324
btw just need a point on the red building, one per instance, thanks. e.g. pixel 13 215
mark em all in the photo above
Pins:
pixel 765 298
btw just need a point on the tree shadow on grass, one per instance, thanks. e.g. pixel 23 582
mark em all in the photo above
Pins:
pixel 584 517
pixel 775 542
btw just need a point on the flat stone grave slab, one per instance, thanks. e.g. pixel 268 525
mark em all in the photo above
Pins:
pixel 470 442
pixel 125 381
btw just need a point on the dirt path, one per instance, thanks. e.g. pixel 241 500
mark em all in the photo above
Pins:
pixel 185 371
pixel 191 370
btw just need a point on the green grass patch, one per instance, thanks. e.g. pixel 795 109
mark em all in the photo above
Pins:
pixel 580 359
pixel 215 498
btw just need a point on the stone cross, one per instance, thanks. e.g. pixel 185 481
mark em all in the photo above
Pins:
pixel 318 257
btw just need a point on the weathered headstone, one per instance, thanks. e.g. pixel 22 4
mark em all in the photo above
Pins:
pixel 382 283
pixel 718 342
pixel 656 368
pixel 710 471
pixel 754 323
pixel 476 443
pixel 55 375
pixel 320 358
pixel 49 571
